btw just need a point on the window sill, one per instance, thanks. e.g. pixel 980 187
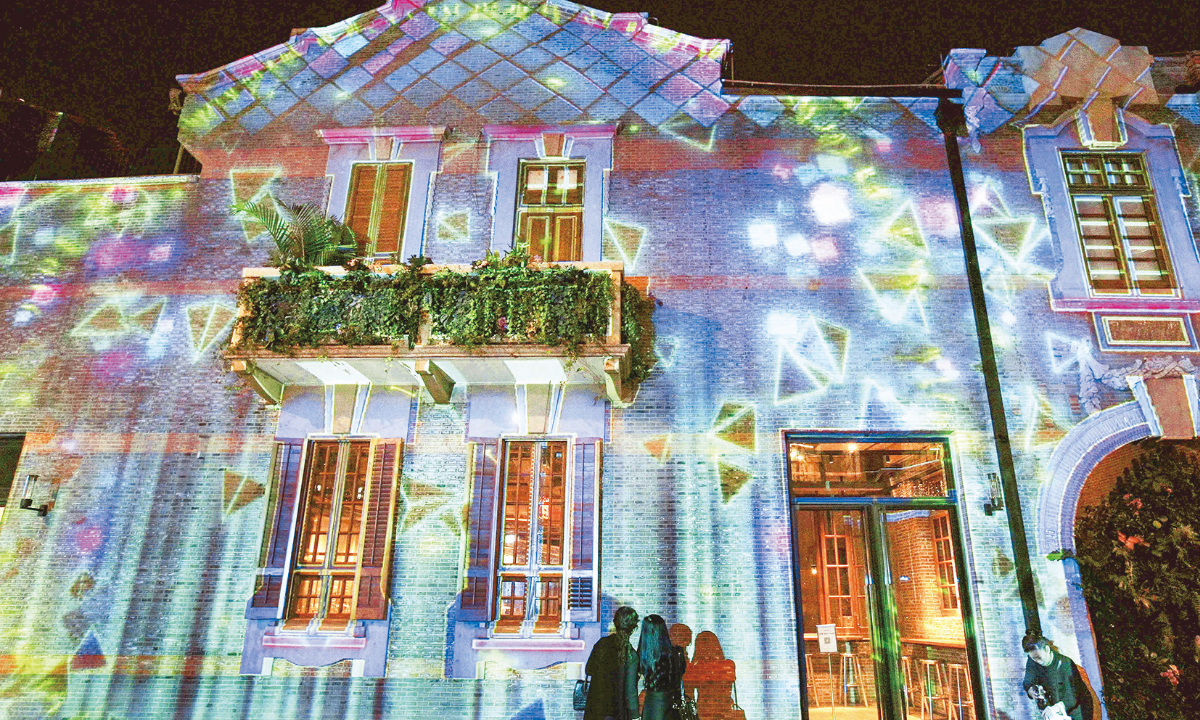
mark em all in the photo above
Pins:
pixel 1125 304
pixel 329 642
pixel 549 644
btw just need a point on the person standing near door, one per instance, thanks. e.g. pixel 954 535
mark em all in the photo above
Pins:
pixel 613 667
pixel 1057 675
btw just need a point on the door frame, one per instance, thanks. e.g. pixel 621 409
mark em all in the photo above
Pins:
pixel 881 609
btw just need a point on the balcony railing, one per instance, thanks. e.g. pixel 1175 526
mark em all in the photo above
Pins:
pixel 438 325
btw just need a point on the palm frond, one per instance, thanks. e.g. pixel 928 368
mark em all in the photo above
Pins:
pixel 302 233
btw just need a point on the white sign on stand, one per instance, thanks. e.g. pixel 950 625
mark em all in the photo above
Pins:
pixel 827 638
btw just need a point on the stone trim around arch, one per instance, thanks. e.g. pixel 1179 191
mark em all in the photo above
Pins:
pixel 1076 455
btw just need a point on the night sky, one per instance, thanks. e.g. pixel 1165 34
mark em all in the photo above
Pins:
pixel 113 63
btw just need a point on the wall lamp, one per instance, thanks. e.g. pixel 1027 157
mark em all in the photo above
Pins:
pixel 27 497
pixel 997 500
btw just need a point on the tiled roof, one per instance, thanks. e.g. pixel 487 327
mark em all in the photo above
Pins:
pixel 506 61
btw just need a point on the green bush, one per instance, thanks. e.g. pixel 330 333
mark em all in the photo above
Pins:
pixel 1139 556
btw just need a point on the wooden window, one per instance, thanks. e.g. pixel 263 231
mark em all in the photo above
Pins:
pixel 1123 246
pixel 550 210
pixel 947 572
pixel 532 535
pixel 376 208
pixel 532 561
pixel 341 533
pixel 844 573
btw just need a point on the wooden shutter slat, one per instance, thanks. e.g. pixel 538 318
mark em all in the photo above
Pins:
pixel 581 590
pixel 360 203
pixel 393 202
pixel 272 578
pixel 372 576
pixel 481 518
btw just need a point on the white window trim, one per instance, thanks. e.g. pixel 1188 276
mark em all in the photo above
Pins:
pixel 508 146
pixel 1070 290
pixel 420 146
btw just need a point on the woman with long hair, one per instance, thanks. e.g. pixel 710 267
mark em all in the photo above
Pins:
pixel 661 667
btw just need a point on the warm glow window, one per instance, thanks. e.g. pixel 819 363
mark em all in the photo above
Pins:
pixel 340 533
pixel 376 206
pixel 1123 246
pixel 550 209
pixel 886 469
pixel 533 535
pixel 532 561
pixel 875 563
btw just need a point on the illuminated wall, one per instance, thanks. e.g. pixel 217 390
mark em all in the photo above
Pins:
pixel 806 255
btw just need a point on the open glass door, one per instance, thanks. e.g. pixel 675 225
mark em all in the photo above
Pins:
pixel 878 572
pixel 834 594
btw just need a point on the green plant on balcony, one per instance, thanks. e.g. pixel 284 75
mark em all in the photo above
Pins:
pixel 499 300
pixel 304 236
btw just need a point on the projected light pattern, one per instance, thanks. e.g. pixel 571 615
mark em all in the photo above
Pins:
pixel 806 256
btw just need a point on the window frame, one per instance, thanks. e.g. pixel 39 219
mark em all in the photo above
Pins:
pixel 536 571
pixel 275 594
pixel 369 238
pixel 508 146
pixel 553 212
pixel 417 145
pixel 1110 196
pixel 873 508
pixel 1070 287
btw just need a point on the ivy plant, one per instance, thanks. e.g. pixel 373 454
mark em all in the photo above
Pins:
pixel 499 300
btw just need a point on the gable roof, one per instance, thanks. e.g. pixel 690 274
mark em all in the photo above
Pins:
pixel 504 61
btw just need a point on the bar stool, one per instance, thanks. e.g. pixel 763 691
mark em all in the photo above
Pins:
pixel 957 675
pixel 851 676
pixel 933 686
pixel 906 673
pixel 813 700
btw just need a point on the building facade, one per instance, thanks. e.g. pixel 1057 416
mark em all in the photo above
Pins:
pixel 801 465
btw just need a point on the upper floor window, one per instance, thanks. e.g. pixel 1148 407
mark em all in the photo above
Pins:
pixel 1122 240
pixel 550 209
pixel 550 189
pixel 380 184
pixel 377 205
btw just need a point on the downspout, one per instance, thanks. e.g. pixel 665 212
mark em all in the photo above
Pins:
pixel 951 121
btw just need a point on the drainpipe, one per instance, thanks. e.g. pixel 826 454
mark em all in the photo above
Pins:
pixel 952 122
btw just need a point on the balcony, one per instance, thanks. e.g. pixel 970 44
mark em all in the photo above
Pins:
pixel 442 326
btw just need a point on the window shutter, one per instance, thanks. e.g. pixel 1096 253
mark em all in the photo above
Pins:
pixel 476 597
pixel 392 205
pixel 583 583
pixel 374 559
pixel 281 509
pixel 360 202
pixel 568 236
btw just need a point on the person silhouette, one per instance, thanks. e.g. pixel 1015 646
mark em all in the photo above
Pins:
pixel 711 677
pixel 613 667
pixel 661 666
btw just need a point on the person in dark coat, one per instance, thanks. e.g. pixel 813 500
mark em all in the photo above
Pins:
pixel 661 666
pixel 613 667
pixel 1057 675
